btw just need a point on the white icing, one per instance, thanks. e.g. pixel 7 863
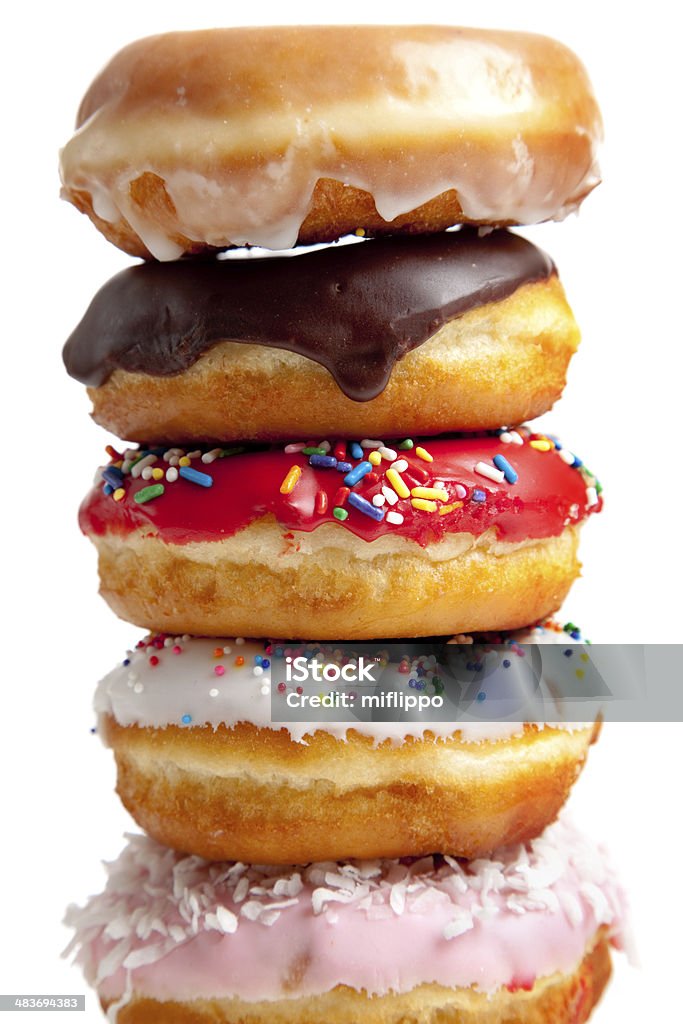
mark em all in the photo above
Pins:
pixel 184 689
pixel 476 113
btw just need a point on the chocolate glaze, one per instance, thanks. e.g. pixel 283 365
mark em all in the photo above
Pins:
pixel 355 309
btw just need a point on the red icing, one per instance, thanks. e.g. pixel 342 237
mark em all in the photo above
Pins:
pixel 548 495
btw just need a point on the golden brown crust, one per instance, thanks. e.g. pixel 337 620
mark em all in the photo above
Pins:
pixel 236 587
pixel 255 795
pixel 502 363
pixel 558 999
pixel 309 128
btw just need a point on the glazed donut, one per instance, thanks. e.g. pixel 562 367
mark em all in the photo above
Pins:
pixel 437 333
pixel 341 540
pixel 201 140
pixel 521 937
pixel 205 766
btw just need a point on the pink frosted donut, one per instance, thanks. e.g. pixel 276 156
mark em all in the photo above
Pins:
pixel 522 936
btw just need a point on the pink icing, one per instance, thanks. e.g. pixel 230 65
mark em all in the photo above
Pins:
pixel 288 932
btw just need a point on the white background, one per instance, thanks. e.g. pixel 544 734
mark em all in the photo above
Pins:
pixel 620 263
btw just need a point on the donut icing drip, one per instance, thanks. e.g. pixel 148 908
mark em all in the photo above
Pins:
pixel 193 682
pixel 355 309
pixel 236 127
pixel 422 493
pixel 169 926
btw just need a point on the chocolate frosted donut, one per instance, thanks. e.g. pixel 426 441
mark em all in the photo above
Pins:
pixel 341 540
pixel 447 332
pixel 272 136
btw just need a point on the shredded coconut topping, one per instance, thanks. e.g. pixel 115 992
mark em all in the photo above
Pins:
pixel 157 899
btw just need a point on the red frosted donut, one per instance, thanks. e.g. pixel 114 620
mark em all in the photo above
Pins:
pixel 340 540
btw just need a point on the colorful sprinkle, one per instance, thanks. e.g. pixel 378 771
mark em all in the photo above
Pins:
pixel 478 495
pixel 119 493
pixel 341 496
pixel 321 502
pixel 340 513
pixel 511 437
pixel 398 483
pixel 317 450
pixel 406 446
pixel 431 493
pixel 149 493
pixel 366 507
pixel 423 505
pixel 542 444
pixel 390 495
pixel 501 463
pixel 291 480
pixel 490 472
pixel 357 473
pixel 419 473
pixel 323 461
pixel 209 457
pixel 445 509
pixel 113 476
pixel 142 464
pixel 423 454
pixel 375 458
pixel 195 476
pixel 356 450
pixel 394 517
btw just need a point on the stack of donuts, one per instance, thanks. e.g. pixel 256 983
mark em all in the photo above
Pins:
pixel 324 445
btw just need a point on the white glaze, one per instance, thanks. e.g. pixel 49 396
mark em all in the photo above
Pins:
pixel 403 113
pixel 185 684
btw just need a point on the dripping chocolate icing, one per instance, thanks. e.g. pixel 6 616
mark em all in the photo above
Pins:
pixel 355 309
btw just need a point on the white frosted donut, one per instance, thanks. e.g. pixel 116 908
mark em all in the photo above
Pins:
pixel 522 936
pixel 206 764
pixel 196 140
